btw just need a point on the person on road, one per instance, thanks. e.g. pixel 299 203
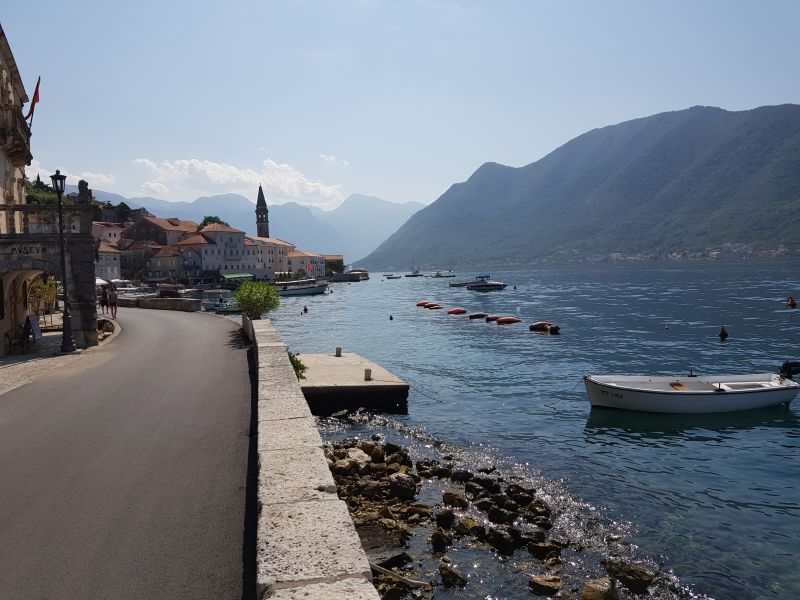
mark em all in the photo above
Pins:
pixel 104 300
pixel 112 301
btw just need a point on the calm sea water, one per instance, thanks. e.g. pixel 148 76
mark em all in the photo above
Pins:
pixel 714 498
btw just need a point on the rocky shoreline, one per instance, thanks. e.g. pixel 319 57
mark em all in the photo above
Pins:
pixel 415 518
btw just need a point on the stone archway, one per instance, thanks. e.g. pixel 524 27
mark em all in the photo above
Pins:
pixel 24 259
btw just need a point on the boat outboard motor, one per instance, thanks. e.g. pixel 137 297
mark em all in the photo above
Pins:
pixel 790 368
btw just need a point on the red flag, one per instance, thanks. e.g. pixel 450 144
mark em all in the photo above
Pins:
pixel 309 268
pixel 34 100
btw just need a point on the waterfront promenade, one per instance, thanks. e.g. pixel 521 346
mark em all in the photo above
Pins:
pixel 123 470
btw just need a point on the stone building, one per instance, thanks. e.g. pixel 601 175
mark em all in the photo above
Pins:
pixel 313 264
pixel 107 266
pixel 29 237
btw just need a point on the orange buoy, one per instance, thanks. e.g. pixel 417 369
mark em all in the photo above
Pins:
pixel 457 311
pixel 491 318
pixel 507 320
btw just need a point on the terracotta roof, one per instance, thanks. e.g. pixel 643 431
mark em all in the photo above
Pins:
pixel 192 239
pixel 215 227
pixel 107 248
pixel 299 253
pixel 167 251
pixel 267 240
pixel 137 244
pixel 172 224
pixel 108 224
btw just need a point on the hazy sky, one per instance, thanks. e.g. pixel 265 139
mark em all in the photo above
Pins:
pixel 399 99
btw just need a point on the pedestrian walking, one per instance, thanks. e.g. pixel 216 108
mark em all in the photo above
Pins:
pixel 112 301
pixel 104 300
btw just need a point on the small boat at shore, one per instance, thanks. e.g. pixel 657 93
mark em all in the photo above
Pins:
pixel 227 307
pixel 301 287
pixel 691 394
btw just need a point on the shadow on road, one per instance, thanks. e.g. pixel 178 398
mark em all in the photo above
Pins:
pixel 239 340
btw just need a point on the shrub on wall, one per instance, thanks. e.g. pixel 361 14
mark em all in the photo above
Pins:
pixel 256 298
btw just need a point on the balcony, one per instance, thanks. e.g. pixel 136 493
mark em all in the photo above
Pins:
pixel 15 137
pixel 40 221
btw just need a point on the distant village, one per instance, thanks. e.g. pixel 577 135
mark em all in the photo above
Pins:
pixel 153 249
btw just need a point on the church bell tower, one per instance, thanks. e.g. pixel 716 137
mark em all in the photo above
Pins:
pixel 262 215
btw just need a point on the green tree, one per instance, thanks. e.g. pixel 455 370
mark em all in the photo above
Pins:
pixel 256 298
pixel 300 274
pixel 207 220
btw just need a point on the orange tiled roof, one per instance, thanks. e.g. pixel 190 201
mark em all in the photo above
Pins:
pixel 173 224
pixel 267 240
pixel 192 239
pixel 107 248
pixel 216 227
pixel 167 251
pixel 299 253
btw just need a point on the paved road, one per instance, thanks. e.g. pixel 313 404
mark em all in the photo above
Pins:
pixel 123 476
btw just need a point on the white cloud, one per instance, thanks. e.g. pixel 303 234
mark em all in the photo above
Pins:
pixel 94 179
pixel 333 159
pixel 186 179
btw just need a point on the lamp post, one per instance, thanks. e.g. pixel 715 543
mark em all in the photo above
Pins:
pixel 67 343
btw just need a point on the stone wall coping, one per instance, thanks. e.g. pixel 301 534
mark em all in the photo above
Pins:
pixel 306 544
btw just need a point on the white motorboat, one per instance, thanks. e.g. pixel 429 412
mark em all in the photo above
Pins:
pixel 301 287
pixel 484 284
pixel 692 394
pixel 211 298
pixel 227 307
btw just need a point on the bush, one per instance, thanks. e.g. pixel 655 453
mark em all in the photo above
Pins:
pixel 297 364
pixel 256 298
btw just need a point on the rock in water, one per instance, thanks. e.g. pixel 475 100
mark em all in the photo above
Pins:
pixel 545 585
pixel 599 589
pixel 634 577
pixel 402 486
pixel 445 518
pixel 454 498
pixel 451 577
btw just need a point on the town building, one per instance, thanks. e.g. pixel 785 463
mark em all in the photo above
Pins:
pixel 107 266
pixel 29 233
pixel 274 255
pixel 313 264
pixel 106 231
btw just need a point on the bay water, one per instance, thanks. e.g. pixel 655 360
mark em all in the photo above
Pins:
pixel 712 499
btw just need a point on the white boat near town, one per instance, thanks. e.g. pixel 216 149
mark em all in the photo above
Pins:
pixel 484 284
pixel 211 298
pixel 227 307
pixel 693 394
pixel 301 287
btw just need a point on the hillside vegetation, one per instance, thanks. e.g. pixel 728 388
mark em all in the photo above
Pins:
pixel 684 181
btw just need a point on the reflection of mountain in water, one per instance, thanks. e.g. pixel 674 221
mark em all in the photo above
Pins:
pixel 604 425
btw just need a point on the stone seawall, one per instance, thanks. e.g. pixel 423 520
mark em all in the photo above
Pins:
pixel 184 304
pixel 306 544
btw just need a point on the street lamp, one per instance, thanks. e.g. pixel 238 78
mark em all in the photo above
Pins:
pixel 67 343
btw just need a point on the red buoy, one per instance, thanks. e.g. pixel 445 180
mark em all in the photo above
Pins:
pixel 491 318
pixel 434 306
pixel 424 303
pixel 457 311
pixel 507 320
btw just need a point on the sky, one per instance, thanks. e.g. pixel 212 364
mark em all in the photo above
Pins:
pixel 398 99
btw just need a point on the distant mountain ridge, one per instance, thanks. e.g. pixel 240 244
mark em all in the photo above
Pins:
pixel 673 182
pixel 353 229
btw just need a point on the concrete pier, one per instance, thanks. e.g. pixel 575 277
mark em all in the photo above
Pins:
pixel 335 383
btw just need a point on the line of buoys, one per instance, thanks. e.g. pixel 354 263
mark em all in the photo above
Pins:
pixel 538 326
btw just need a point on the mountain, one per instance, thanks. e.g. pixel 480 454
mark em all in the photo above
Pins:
pixel 353 229
pixel 366 221
pixel 673 182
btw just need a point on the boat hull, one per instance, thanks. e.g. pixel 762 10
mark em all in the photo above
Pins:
pixel 708 394
pixel 303 291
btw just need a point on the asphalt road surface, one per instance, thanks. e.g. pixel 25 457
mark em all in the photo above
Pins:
pixel 124 476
